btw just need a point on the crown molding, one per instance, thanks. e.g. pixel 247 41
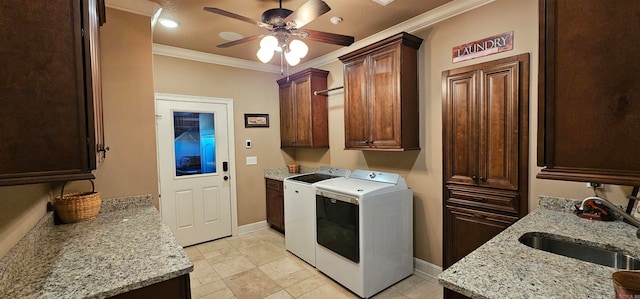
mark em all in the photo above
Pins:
pixel 417 23
pixel 144 7
pixel 213 58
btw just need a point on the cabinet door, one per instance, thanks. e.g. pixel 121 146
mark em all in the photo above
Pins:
pixel 303 113
pixel 44 120
pixel 287 116
pixel 356 115
pixel 467 229
pixel 275 204
pixel 384 98
pixel 460 131
pixel 589 91
pixel 499 126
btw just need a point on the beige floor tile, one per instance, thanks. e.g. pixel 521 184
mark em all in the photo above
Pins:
pixel 262 253
pixel 193 253
pixel 282 294
pixel 243 241
pixel 280 268
pixel 306 286
pixel 207 289
pixel 251 284
pixel 293 278
pixel 427 290
pixel 225 293
pixel 227 268
pixel 212 246
pixel 233 266
pixel 326 291
pixel 407 284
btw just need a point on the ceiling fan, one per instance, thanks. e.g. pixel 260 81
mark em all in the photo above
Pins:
pixel 284 25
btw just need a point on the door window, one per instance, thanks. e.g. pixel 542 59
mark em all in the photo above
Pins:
pixel 194 143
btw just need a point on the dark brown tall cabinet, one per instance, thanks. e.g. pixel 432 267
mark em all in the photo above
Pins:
pixel 49 88
pixel 304 115
pixel 589 91
pixel 485 151
pixel 381 95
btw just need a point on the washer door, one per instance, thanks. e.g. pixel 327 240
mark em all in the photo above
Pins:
pixel 337 224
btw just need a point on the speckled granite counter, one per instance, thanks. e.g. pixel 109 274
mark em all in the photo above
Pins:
pixel 505 268
pixel 281 173
pixel 125 247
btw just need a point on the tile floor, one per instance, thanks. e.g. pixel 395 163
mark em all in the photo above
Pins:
pixel 257 265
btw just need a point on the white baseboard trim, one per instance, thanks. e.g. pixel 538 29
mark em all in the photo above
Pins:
pixel 252 227
pixel 427 269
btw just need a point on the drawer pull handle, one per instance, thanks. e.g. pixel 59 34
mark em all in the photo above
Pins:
pixel 478 199
pixel 476 215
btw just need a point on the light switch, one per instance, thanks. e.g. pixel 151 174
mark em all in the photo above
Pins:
pixel 252 160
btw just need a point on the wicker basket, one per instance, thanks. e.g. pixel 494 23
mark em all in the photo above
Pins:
pixel 76 207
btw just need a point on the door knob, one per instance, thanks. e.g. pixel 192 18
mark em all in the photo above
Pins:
pixel 226 178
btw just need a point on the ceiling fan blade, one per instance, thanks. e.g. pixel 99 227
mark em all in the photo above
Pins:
pixel 326 37
pixel 239 41
pixel 306 13
pixel 238 17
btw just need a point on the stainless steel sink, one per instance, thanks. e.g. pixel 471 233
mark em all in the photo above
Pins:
pixel 610 257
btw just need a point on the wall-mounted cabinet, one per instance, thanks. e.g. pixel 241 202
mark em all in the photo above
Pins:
pixel 50 86
pixel 589 91
pixel 381 95
pixel 304 116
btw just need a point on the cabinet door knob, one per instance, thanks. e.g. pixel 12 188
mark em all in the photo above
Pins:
pixel 474 177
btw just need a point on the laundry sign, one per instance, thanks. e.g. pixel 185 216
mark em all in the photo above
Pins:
pixel 486 46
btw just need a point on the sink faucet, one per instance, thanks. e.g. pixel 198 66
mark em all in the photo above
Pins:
pixel 615 208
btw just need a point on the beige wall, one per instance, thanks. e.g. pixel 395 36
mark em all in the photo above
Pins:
pixel 251 92
pixel 423 169
pixel 130 167
pixel 129 113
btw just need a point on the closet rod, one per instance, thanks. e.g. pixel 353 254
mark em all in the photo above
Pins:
pixel 327 90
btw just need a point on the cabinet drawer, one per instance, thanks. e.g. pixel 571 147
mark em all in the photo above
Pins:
pixel 502 201
pixel 274 185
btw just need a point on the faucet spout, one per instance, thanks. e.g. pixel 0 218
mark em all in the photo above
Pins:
pixel 615 208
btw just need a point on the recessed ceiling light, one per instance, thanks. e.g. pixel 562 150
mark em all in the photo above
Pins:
pixel 335 20
pixel 230 36
pixel 383 2
pixel 168 23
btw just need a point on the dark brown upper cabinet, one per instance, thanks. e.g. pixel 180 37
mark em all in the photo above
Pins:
pixel 49 81
pixel 304 115
pixel 381 95
pixel 589 91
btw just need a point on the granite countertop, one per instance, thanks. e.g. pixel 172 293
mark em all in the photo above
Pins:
pixel 125 247
pixel 283 172
pixel 505 268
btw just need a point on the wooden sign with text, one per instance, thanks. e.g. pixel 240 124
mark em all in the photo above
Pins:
pixel 487 46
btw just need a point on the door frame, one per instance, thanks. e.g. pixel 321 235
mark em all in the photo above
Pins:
pixel 232 149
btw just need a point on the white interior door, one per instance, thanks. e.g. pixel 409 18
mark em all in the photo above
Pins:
pixel 194 170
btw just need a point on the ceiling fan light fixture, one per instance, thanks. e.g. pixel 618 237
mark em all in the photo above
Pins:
pixel 292 58
pixel 299 48
pixel 265 54
pixel 168 23
pixel 269 42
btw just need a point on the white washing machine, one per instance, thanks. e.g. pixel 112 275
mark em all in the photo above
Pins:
pixel 300 211
pixel 365 230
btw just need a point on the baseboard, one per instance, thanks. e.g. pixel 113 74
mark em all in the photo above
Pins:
pixel 252 227
pixel 427 269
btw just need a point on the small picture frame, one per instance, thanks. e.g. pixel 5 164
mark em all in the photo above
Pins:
pixel 256 120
